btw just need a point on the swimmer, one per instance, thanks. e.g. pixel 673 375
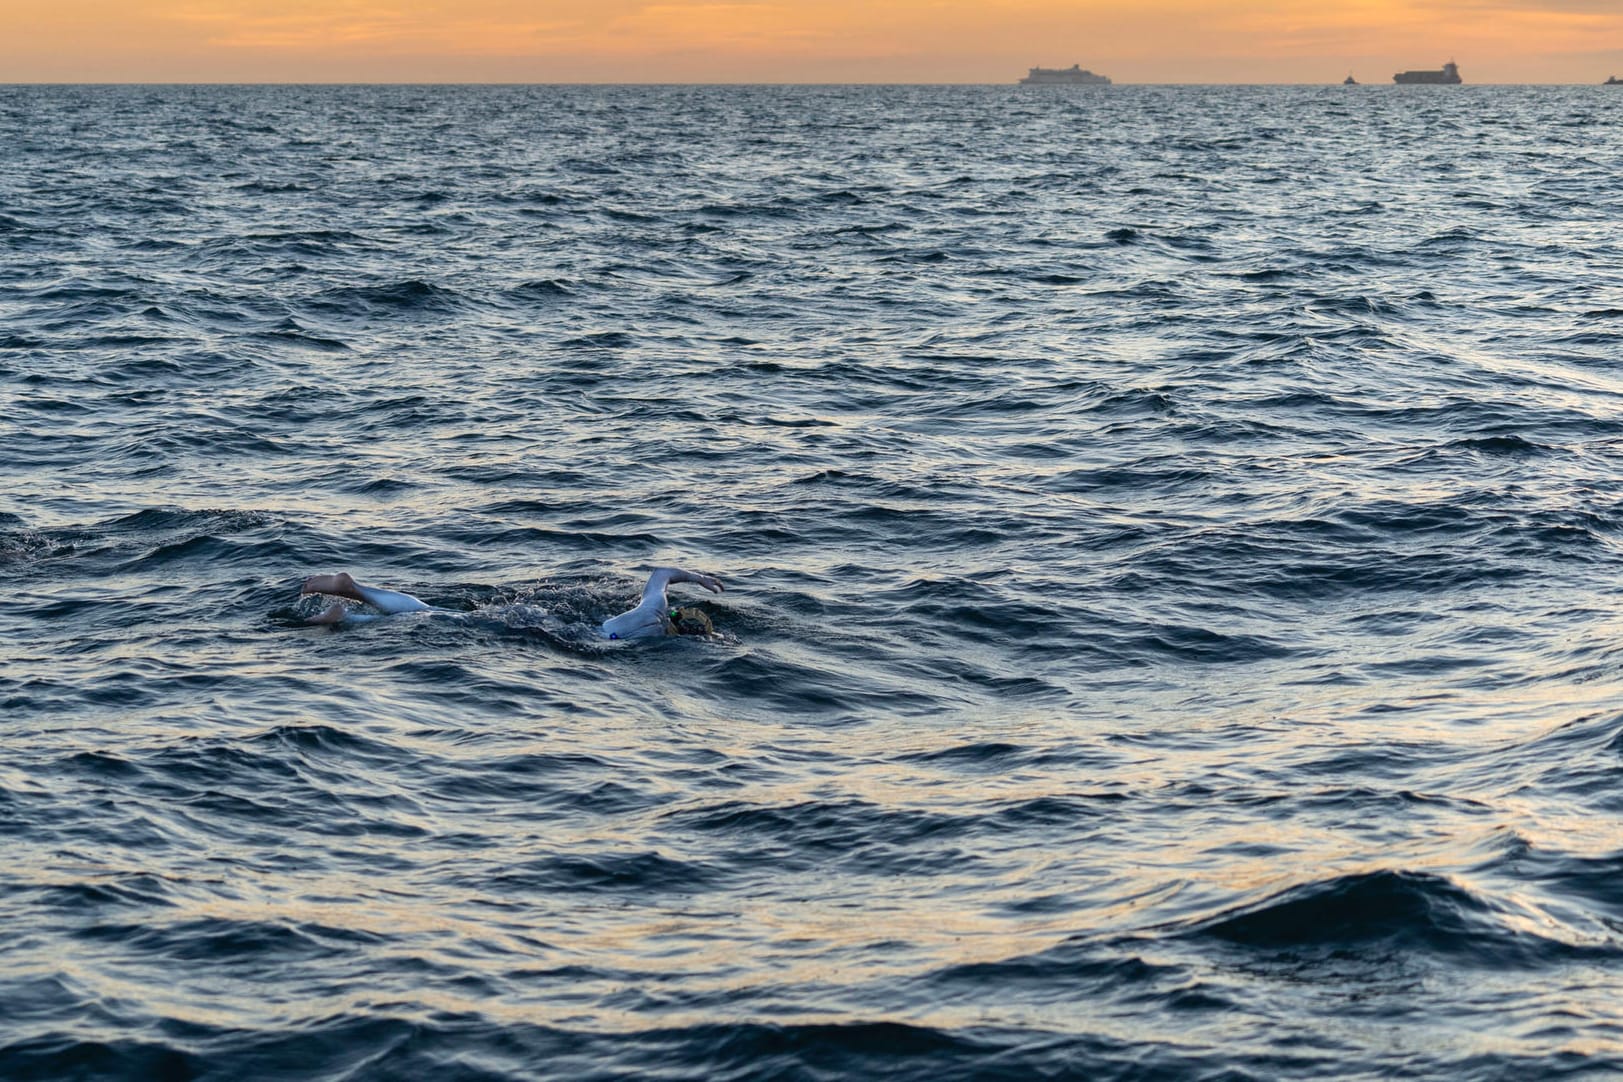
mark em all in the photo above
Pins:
pixel 653 616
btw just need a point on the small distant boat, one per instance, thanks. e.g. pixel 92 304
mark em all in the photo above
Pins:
pixel 1448 76
pixel 1075 75
pixel 1613 81
pixel 1349 80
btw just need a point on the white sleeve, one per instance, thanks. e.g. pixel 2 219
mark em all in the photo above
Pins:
pixel 390 601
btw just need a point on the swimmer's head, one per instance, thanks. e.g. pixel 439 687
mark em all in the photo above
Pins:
pixel 690 620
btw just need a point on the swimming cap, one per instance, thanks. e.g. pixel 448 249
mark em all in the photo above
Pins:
pixel 691 620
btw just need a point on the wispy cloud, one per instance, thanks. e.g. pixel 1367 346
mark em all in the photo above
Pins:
pixel 349 25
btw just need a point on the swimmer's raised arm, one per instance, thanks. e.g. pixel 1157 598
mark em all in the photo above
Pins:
pixel 665 576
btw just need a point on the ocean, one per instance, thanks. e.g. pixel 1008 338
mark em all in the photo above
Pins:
pixel 1173 548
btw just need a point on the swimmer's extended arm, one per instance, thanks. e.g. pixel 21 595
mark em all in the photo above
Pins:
pixel 388 602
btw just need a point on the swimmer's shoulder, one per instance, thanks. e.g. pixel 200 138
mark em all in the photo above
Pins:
pixel 639 623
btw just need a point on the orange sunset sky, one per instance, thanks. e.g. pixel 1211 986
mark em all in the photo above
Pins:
pixel 813 41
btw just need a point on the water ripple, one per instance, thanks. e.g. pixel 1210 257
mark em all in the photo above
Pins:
pixel 1172 548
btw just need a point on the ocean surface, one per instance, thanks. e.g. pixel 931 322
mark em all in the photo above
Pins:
pixel 1173 541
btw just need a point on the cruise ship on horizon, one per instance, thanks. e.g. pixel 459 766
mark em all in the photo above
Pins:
pixel 1075 75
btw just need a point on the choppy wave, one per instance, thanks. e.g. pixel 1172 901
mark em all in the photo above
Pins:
pixel 1172 548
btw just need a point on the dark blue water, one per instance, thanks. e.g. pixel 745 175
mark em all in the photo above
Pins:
pixel 1174 547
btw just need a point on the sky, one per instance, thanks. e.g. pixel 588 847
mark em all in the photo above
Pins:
pixel 804 41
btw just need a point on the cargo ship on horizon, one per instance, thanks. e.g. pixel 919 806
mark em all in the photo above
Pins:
pixel 1075 75
pixel 1448 76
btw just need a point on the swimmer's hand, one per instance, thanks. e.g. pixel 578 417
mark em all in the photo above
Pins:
pixel 664 576
pixel 709 582
pixel 334 615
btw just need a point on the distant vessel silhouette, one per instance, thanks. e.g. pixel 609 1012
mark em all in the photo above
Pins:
pixel 1349 80
pixel 1075 75
pixel 1613 81
pixel 1449 75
